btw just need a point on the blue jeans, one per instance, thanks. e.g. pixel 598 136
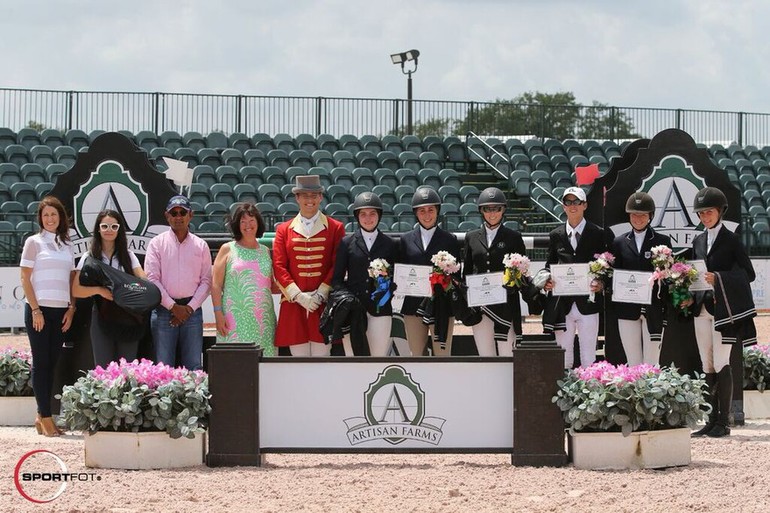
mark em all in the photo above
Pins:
pixel 46 347
pixel 188 337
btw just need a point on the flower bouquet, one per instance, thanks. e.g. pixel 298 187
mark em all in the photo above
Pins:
pixel 756 367
pixel 15 373
pixel 601 270
pixel 680 276
pixel 608 398
pixel 379 272
pixel 516 270
pixel 662 259
pixel 444 266
pixel 138 397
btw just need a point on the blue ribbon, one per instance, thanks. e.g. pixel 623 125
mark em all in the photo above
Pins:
pixel 383 287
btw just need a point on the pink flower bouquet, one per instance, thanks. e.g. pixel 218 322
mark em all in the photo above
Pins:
pixel 516 270
pixel 601 270
pixel 138 396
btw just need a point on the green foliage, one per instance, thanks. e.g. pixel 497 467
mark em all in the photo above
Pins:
pixel 756 368
pixel 179 407
pixel 15 373
pixel 666 400
pixel 36 125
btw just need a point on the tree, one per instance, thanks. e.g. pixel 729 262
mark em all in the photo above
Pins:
pixel 36 125
pixel 440 127
pixel 600 121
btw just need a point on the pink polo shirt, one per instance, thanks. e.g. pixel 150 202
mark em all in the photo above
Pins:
pixel 179 269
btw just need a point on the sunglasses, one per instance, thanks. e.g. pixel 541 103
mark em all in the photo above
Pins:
pixel 492 208
pixel 104 227
pixel 178 213
pixel 569 203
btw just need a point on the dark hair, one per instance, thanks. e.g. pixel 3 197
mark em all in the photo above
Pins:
pixel 121 241
pixel 62 231
pixel 234 219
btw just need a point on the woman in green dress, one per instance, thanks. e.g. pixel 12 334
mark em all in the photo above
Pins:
pixel 242 282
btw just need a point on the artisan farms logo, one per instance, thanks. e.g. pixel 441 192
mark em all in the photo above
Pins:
pixel 394 411
pixel 41 476
pixel 112 187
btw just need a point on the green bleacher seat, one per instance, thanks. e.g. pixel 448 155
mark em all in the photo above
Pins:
pixel 328 142
pixel 430 160
pixel 386 177
pixel 450 194
pixel 262 142
pixel 302 159
pixel 388 160
pixel 572 148
pixel 343 176
pixel 553 147
pixel 324 175
pixel 239 141
pixel 718 152
pixel 412 143
pixel 198 193
pixel 408 177
pixel 94 134
pixel 358 189
pixel 147 139
pixel 217 141
pixel 514 146
pixel 255 158
pixel 450 177
pixel 322 158
pixel 204 175
pixel 156 157
pixel 592 148
pixel 344 158
pixel 13 211
pixel 194 140
pixel 171 139
pixel 479 152
pixel 251 175
pixel 392 143
pixel 42 189
pixel 542 162
pixel 279 158
pixel 409 160
pixel 222 193
pixel 245 193
pixel 521 182
pixel 561 178
pixel 274 175
pixel 367 159
pixel 211 226
pixel 404 193
pixel 269 192
pixel 455 149
pixel 7 138
pixel 284 142
pixel 52 138
pixel 611 149
pixel 403 212
pixel 16 154
pixel 228 175
pixel 306 142
pixel 76 139
pixel 371 143
pixel 429 177
pixel 9 173
pixel 188 155
pixel 52 171
pixel 288 209
pixel 350 143
pixel 386 194
pixel 32 173
pixel 520 161
pixel 232 157
pixel 578 160
pixel 512 225
pixel 292 173
pixel 28 137
pixel 337 194
pixel 364 176
pixel 435 145
pixel 401 227
pixel 468 225
pixel 208 157
pixel 5 193
pixel 42 155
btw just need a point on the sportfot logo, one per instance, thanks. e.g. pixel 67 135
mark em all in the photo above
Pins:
pixel 394 411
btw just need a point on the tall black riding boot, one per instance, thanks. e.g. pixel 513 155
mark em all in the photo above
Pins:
pixel 725 395
pixel 711 391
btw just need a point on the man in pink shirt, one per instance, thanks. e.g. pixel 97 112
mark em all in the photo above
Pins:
pixel 179 263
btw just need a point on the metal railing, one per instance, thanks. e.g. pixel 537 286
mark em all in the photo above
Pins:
pixel 205 113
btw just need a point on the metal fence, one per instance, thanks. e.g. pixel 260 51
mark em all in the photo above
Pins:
pixel 204 113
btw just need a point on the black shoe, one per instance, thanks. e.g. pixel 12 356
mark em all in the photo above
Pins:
pixel 719 431
pixel 705 430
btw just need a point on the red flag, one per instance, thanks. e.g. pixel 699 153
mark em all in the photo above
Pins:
pixel 587 174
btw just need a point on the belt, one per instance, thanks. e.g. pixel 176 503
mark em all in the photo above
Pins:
pixel 183 301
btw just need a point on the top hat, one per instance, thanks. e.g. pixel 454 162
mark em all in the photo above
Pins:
pixel 307 183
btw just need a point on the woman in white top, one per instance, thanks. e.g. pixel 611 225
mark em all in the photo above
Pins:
pixel 46 276
pixel 114 334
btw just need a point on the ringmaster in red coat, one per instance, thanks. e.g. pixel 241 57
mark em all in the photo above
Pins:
pixel 304 251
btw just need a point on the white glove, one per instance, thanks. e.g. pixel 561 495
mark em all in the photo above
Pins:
pixel 308 301
pixel 320 296
pixel 542 276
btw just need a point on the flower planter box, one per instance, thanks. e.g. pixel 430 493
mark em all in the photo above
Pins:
pixel 756 404
pixel 133 451
pixel 639 450
pixel 17 411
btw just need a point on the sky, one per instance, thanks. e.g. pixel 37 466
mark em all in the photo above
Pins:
pixel 689 54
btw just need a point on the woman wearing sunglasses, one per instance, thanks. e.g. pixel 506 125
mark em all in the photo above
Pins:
pixel 484 252
pixel 111 340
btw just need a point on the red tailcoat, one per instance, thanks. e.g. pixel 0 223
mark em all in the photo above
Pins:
pixel 303 263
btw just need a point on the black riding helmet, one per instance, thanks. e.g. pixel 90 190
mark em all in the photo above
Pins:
pixel 491 196
pixel 710 197
pixel 640 203
pixel 425 196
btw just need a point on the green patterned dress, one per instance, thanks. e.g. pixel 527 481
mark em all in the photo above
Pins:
pixel 247 302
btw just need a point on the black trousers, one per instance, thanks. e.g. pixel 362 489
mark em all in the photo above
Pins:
pixel 46 347
pixel 111 343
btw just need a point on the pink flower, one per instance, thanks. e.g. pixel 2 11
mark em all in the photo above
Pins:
pixel 606 373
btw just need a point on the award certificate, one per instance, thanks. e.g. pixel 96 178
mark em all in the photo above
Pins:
pixel 631 287
pixel 412 280
pixel 700 282
pixel 486 289
pixel 570 279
